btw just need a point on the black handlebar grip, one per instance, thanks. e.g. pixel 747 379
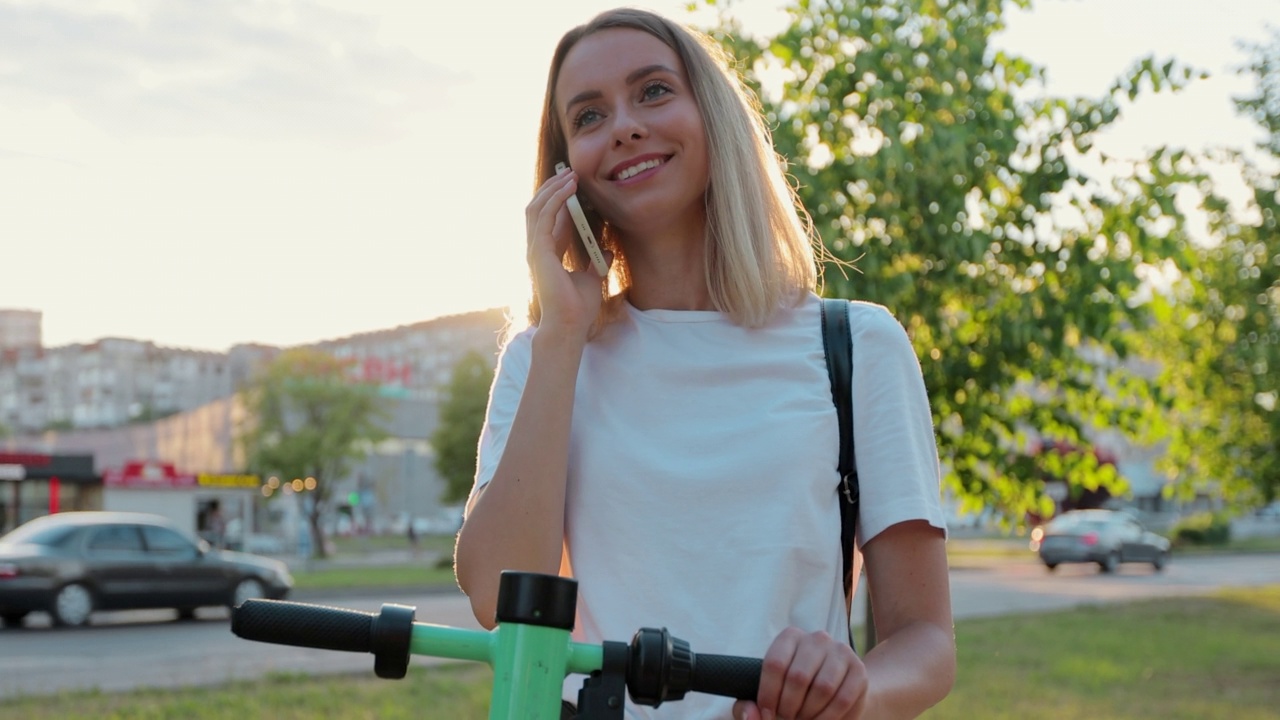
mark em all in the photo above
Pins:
pixel 303 625
pixel 726 675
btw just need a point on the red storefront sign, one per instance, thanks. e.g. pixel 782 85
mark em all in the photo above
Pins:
pixel 143 474
pixel 383 372
pixel 28 459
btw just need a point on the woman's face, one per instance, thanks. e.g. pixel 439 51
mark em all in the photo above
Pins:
pixel 633 129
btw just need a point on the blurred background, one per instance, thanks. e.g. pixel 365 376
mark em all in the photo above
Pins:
pixel 1069 205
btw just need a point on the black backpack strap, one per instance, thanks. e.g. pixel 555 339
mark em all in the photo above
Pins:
pixel 837 343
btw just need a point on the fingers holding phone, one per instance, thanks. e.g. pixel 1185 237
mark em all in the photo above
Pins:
pixel 566 297
pixel 546 220
pixel 583 228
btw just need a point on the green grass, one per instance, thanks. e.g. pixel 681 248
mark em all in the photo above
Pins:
pixel 451 691
pixel 1170 659
pixel 432 566
pixel 371 543
pixel 348 577
pixel 1248 545
pixel 1173 659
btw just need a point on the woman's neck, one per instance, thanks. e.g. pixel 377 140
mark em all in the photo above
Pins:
pixel 668 268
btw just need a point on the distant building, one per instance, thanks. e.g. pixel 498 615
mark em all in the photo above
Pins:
pixel 115 381
pixel 107 383
pixel 19 329
pixel 130 404
pixel 415 361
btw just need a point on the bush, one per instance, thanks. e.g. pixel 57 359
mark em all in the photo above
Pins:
pixel 1206 528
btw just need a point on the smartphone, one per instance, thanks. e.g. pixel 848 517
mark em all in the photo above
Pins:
pixel 584 230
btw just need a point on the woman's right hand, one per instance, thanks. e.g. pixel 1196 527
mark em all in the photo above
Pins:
pixel 570 300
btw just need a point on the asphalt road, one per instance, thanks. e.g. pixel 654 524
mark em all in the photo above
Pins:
pixel 127 650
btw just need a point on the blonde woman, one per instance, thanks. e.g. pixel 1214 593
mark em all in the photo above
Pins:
pixel 666 435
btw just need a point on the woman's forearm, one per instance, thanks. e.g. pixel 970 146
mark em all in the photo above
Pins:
pixel 910 672
pixel 517 521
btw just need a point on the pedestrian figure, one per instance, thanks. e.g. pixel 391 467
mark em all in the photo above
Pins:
pixel 413 538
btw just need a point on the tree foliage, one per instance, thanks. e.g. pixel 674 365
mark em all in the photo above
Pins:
pixel 930 162
pixel 461 419
pixel 1222 339
pixel 307 418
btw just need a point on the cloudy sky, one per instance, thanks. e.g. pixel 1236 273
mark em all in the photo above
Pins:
pixel 204 173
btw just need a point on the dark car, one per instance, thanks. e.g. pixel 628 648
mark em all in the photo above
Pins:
pixel 1105 537
pixel 72 564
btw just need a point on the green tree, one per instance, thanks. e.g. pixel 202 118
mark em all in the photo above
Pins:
pixel 307 418
pixel 461 418
pixel 1222 345
pixel 930 164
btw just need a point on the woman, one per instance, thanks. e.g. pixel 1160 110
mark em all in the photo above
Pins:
pixel 667 436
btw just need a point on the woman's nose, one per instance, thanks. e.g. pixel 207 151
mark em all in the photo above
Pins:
pixel 627 128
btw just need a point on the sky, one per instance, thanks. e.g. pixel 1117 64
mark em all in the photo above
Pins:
pixel 202 174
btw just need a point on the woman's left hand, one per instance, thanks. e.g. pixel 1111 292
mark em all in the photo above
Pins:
pixel 808 676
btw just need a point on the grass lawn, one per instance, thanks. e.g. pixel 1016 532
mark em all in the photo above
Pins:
pixel 432 566
pixel 372 543
pixel 373 576
pixel 1247 545
pixel 1179 659
pixel 1174 659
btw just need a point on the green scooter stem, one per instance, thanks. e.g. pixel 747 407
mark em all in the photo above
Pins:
pixel 535 615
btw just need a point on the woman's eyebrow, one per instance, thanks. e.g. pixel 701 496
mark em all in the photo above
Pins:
pixel 632 77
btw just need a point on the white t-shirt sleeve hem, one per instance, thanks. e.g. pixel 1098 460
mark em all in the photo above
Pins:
pixel 894 443
pixel 504 398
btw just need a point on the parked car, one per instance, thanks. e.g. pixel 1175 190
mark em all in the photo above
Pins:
pixel 1105 537
pixel 73 564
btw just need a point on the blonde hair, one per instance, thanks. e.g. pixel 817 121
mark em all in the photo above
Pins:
pixel 760 249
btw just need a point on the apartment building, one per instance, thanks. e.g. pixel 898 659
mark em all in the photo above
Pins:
pixel 107 383
pixel 20 329
pixel 117 381
pixel 416 361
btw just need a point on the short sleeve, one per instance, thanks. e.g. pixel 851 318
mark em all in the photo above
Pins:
pixel 894 443
pixel 504 398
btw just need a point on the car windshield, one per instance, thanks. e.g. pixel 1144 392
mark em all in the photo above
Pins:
pixel 38 534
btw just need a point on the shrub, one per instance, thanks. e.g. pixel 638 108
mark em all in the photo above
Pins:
pixel 1205 528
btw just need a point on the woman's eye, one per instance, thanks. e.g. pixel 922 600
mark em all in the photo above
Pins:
pixel 654 90
pixel 585 117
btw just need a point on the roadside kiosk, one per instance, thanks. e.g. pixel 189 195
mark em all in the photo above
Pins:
pixel 194 501
pixel 37 484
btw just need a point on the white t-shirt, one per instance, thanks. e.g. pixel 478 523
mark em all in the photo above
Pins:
pixel 702 474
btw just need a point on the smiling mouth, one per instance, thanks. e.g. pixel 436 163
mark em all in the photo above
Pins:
pixel 639 168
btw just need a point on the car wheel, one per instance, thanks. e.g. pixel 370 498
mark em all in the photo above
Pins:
pixel 247 589
pixel 1051 566
pixel 1162 559
pixel 1111 562
pixel 72 606
pixel 13 619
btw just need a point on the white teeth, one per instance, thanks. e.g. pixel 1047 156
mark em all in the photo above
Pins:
pixel 637 169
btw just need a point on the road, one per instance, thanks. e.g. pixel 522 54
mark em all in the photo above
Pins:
pixel 133 649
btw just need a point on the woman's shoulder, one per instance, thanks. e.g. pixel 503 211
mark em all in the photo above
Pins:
pixel 873 321
pixel 517 347
pixel 865 312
